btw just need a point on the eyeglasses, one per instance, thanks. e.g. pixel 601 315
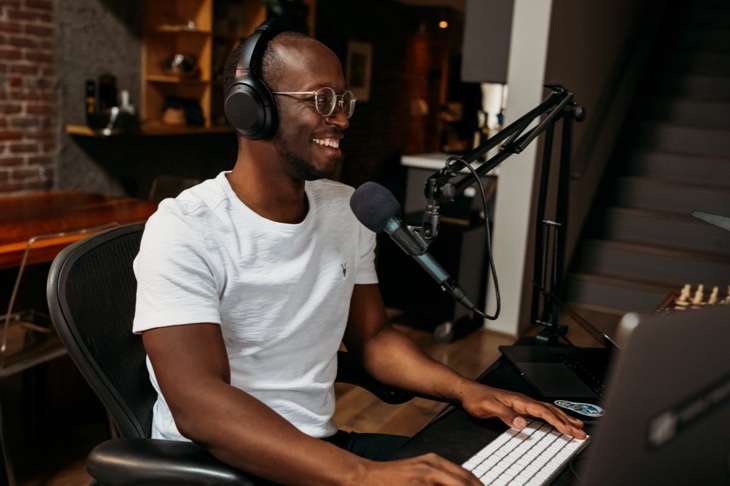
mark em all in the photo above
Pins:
pixel 326 100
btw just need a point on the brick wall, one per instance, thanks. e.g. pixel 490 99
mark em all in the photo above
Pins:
pixel 28 126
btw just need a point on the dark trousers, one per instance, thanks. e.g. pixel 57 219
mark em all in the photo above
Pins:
pixel 378 447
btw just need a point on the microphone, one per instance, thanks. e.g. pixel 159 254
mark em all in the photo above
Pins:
pixel 378 210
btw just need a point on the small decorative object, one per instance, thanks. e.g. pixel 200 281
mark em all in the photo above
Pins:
pixel 173 117
pixel 181 65
pixel 178 111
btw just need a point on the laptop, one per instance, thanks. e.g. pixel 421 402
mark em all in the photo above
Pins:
pixel 667 405
pixel 571 377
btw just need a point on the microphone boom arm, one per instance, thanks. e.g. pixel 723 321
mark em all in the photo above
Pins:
pixel 559 105
pixel 556 105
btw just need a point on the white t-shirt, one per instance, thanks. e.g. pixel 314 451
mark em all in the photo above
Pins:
pixel 280 292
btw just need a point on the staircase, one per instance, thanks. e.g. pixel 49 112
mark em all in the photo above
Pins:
pixel 675 158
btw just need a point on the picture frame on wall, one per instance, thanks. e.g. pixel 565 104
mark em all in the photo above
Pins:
pixel 358 69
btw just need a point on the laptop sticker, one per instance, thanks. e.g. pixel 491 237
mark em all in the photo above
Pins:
pixel 587 409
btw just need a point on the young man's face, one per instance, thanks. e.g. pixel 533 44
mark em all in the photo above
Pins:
pixel 307 142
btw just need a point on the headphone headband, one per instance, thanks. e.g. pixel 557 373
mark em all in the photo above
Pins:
pixel 249 104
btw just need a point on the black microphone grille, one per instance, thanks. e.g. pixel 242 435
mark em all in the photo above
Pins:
pixel 374 205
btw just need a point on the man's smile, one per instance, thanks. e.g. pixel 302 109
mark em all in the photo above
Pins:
pixel 327 142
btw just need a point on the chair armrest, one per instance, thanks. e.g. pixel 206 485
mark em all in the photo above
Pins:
pixel 350 371
pixel 134 461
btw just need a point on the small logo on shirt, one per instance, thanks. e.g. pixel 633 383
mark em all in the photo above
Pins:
pixel 344 269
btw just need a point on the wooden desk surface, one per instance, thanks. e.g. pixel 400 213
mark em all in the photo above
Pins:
pixel 22 217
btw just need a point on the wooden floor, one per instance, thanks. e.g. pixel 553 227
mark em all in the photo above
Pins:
pixel 356 409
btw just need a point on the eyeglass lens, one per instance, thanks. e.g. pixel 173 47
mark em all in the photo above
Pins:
pixel 326 100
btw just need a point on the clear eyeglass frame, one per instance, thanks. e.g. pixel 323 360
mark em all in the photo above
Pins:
pixel 326 100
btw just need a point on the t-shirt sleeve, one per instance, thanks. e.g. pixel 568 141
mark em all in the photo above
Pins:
pixel 176 281
pixel 366 273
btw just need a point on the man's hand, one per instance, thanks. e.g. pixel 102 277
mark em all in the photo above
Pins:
pixel 484 402
pixel 426 470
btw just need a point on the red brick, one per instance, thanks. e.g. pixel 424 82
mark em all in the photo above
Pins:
pixel 10 54
pixel 10 27
pixel 24 172
pixel 39 109
pixel 39 30
pixel 28 16
pixel 46 5
pixel 10 186
pixel 23 148
pixel 10 3
pixel 24 122
pixel 11 135
pixel 10 108
pixel 23 41
pixel 11 162
pixel 24 69
pixel 39 56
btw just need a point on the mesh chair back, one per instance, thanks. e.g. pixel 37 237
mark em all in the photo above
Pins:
pixel 91 299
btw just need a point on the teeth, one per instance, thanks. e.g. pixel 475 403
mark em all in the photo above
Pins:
pixel 328 142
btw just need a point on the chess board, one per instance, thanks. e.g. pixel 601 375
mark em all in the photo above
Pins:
pixel 693 298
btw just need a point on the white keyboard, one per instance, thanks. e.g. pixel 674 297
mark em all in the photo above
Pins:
pixel 533 456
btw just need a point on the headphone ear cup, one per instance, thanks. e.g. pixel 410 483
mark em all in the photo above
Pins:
pixel 249 106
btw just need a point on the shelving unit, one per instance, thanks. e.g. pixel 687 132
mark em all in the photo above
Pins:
pixel 206 31
pixel 176 27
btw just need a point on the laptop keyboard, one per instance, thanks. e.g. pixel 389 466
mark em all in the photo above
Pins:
pixel 533 456
pixel 592 374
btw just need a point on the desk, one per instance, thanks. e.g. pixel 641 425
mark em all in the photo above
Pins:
pixel 22 217
pixel 456 436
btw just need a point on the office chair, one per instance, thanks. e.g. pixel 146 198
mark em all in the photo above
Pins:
pixel 91 299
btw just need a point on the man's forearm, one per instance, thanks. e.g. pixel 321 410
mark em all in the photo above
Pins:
pixel 393 359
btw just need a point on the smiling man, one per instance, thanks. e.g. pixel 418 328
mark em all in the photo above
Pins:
pixel 248 283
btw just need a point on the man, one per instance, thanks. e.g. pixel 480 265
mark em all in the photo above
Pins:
pixel 248 283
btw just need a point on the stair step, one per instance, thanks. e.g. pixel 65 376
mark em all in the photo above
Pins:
pixel 666 137
pixel 694 85
pixel 707 3
pixel 702 39
pixel 620 295
pixel 660 229
pixel 671 196
pixel 704 17
pixel 690 111
pixel 661 265
pixel 709 63
pixel 693 169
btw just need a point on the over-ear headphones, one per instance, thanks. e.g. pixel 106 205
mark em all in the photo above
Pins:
pixel 249 104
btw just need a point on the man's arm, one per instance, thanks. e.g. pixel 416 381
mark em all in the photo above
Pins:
pixel 191 366
pixel 392 358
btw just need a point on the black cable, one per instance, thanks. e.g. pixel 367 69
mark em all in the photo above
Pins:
pixel 485 206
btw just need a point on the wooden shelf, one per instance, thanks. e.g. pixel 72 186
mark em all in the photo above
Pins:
pixel 164 78
pixel 150 129
pixel 174 29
